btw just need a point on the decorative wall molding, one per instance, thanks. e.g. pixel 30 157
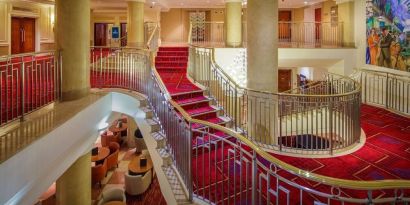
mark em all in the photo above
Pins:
pixel 4 23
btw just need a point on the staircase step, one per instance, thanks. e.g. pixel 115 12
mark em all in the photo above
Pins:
pixel 154 125
pixel 160 139
pixel 144 103
pixel 209 139
pixel 203 110
pixel 172 53
pixel 187 93
pixel 166 157
pixel 194 100
pixel 149 114
pixel 217 120
pixel 173 49
pixel 171 59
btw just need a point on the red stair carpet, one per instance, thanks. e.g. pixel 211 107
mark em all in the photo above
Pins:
pixel 385 155
pixel 171 64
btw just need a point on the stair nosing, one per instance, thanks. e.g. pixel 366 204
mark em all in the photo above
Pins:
pixel 193 102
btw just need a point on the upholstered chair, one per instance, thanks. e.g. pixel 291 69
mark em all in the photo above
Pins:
pixel 98 173
pixel 138 184
pixel 112 159
pixel 107 137
pixel 112 194
pixel 113 146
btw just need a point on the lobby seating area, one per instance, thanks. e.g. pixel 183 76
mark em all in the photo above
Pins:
pixel 117 175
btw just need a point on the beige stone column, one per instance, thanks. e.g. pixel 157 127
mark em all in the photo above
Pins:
pixel 347 16
pixel 262 72
pixel 73 40
pixel 135 35
pixel 233 19
pixel 74 186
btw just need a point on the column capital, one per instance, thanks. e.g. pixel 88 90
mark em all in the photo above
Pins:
pixel 142 1
pixel 233 1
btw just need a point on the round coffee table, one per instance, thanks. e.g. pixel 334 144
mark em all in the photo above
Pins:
pixel 103 152
pixel 134 167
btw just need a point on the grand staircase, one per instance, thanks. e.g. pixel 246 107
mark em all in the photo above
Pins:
pixel 171 64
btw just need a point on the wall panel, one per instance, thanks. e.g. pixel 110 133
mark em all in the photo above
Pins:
pixel 4 23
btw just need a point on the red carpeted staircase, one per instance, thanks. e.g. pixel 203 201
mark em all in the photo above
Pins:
pixel 171 64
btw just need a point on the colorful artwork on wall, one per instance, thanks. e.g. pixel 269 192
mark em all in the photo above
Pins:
pixel 388 33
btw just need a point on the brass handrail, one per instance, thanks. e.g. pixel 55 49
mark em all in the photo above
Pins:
pixel 331 181
pixel 152 35
pixel 213 61
pixel 27 54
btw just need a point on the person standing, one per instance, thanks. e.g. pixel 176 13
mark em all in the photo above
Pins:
pixel 385 43
pixel 373 41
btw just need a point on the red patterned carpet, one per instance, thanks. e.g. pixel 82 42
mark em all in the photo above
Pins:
pixel 385 155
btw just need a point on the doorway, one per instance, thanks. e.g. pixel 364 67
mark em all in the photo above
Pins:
pixel 285 18
pixel 100 34
pixel 23 35
pixel 318 22
pixel 284 80
pixel 123 34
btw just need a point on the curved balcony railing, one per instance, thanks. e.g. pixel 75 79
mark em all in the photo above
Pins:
pixel 231 169
pixel 385 89
pixel 320 118
pixel 28 82
pixel 290 34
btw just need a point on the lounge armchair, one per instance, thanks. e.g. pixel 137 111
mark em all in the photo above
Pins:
pixel 137 184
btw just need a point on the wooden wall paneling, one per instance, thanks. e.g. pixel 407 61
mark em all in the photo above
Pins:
pixel 4 23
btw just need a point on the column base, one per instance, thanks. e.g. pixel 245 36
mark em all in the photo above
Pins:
pixel 74 94
pixel 233 44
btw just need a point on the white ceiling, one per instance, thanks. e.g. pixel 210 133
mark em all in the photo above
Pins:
pixel 166 4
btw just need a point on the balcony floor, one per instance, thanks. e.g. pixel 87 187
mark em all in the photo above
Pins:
pixel 385 154
pixel 15 136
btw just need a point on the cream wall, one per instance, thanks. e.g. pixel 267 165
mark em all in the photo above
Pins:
pixel 175 23
pixel 346 14
pixel 326 7
pixel 298 14
pixel 44 15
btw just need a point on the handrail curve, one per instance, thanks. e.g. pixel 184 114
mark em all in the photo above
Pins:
pixel 330 181
pixel 363 185
pixel 357 89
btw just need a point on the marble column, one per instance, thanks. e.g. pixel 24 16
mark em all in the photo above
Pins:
pixel 135 34
pixel 347 16
pixel 262 72
pixel 74 186
pixel 73 42
pixel 233 9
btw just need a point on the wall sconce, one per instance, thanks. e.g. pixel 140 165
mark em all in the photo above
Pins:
pixel 52 20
